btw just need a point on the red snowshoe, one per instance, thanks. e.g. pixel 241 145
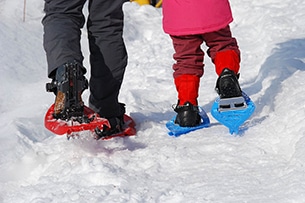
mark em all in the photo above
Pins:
pixel 90 121
pixel 68 115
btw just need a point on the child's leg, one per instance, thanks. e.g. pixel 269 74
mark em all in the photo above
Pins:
pixel 188 67
pixel 225 54
pixel 223 50
pixel 188 70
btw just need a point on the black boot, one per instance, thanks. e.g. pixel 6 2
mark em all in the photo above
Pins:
pixel 187 115
pixel 227 85
pixel 68 85
pixel 117 122
pixel 116 125
pixel 229 91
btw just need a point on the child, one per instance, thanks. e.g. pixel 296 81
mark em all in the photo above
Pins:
pixel 189 24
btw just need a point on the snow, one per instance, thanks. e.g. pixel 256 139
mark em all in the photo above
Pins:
pixel 265 163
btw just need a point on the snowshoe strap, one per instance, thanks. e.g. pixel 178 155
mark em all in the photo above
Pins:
pixel 105 133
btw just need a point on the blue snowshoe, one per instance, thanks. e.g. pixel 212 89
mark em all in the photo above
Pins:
pixel 188 118
pixel 233 107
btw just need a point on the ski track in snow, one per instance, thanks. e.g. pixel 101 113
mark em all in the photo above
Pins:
pixel 264 164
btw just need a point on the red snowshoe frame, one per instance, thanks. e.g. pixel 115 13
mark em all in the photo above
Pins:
pixel 61 127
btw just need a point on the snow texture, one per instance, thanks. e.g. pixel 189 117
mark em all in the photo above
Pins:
pixel 264 164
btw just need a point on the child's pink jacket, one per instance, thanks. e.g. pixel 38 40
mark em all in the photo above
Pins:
pixel 185 17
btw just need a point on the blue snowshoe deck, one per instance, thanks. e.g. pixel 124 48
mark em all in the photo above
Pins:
pixel 233 112
pixel 176 130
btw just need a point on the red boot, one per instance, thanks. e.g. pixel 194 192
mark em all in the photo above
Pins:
pixel 187 109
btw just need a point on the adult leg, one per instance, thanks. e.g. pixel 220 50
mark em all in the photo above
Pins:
pixel 62 23
pixel 61 40
pixel 108 56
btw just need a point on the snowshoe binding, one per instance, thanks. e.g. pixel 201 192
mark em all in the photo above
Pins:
pixel 187 115
pixel 188 118
pixel 68 85
pixel 68 115
pixel 118 126
pixel 233 107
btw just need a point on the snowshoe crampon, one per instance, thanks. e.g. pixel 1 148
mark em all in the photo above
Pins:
pixel 90 121
pixel 176 130
pixel 233 112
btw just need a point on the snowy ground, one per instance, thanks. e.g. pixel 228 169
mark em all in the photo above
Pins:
pixel 264 164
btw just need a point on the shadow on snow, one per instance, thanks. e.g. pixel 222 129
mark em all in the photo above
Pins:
pixel 287 58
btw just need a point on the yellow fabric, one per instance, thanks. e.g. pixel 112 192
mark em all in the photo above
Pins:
pixel 141 2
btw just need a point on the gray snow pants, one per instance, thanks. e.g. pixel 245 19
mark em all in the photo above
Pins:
pixel 62 24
